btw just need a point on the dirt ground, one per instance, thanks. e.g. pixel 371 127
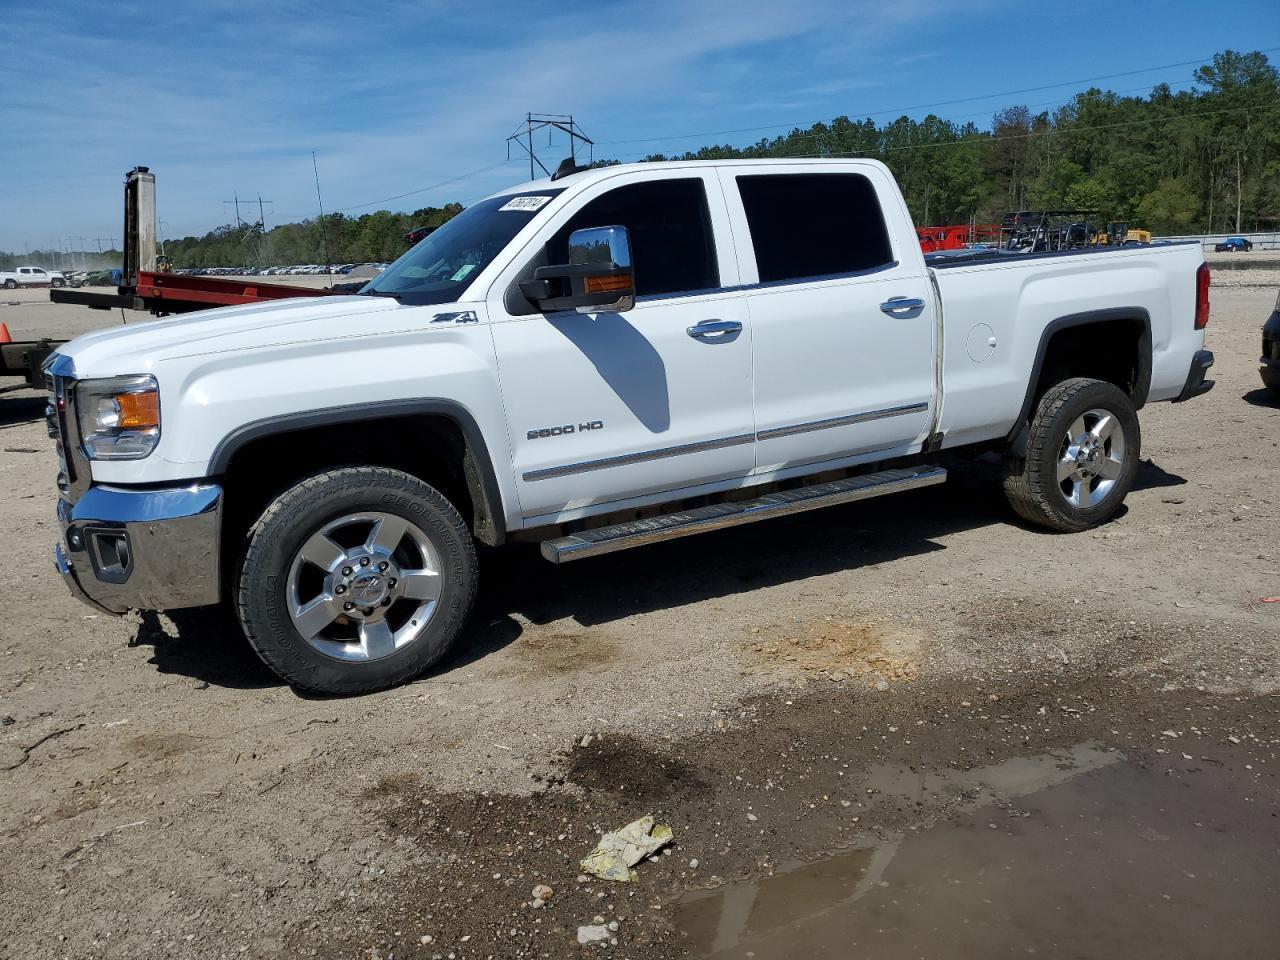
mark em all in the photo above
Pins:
pixel 831 682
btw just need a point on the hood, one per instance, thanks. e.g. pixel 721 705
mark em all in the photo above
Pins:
pixel 139 347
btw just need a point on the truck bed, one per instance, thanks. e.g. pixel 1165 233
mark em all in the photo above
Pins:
pixel 998 308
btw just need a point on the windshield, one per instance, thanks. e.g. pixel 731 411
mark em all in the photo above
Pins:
pixel 441 267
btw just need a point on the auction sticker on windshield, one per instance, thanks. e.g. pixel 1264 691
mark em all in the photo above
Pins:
pixel 527 204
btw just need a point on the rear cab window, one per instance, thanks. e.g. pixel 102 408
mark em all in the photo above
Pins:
pixel 806 226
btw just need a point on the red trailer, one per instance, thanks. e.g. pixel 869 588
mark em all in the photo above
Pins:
pixel 145 288
pixel 163 293
pixel 956 237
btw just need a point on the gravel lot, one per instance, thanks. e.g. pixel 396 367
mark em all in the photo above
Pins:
pixel 163 796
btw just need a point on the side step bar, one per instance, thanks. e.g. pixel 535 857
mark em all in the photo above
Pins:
pixel 636 533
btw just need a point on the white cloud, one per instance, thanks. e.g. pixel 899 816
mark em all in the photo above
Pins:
pixel 223 96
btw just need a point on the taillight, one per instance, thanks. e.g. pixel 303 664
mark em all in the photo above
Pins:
pixel 1202 296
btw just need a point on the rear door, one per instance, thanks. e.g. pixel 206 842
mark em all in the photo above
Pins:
pixel 841 311
pixel 609 407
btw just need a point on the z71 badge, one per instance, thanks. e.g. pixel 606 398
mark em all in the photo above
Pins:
pixel 565 430
pixel 457 316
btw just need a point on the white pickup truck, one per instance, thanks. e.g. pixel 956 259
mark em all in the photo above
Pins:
pixel 594 361
pixel 31 277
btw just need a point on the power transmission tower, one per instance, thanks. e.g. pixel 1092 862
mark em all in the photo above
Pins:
pixel 257 229
pixel 551 122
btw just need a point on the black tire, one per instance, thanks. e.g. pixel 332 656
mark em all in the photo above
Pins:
pixel 11 284
pixel 1032 484
pixel 57 283
pixel 290 521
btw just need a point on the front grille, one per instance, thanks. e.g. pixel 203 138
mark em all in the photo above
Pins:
pixel 55 415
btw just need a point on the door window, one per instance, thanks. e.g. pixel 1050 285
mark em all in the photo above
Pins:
pixel 806 225
pixel 672 247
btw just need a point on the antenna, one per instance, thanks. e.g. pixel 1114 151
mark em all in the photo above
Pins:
pixel 324 230
pixel 564 122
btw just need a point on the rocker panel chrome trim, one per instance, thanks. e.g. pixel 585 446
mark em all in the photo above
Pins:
pixel 626 459
pixel 842 421
pixel 585 466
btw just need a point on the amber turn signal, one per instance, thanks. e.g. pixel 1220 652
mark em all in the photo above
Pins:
pixel 608 284
pixel 139 410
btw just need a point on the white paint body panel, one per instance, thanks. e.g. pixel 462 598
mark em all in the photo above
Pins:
pixel 1019 299
pixel 807 351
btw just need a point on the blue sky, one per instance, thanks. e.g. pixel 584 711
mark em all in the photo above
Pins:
pixel 225 96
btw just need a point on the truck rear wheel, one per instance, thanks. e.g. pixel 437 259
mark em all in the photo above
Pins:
pixel 355 580
pixel 1081 459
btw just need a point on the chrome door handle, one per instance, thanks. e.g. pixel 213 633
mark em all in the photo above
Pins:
pixel 897 306
pixel 714 329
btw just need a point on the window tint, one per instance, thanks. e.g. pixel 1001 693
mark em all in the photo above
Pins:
pixel 672 249
pixel 814 224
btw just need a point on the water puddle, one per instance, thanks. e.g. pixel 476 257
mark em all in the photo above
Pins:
pixel 1076 854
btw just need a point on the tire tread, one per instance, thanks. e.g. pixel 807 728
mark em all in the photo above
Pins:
pixel 306 492
pixel 1024 486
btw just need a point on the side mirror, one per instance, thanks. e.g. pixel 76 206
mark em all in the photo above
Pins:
pixel 597 278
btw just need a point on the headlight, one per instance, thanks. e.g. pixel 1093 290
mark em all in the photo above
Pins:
pixel 119 417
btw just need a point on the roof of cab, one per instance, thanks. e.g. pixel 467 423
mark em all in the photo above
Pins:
pixel 591 174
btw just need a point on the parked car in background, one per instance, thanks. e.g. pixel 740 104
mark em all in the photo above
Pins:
pixel 1234 245
pixel 32 277
pixel 1270 369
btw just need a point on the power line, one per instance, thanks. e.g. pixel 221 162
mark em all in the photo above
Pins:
pixel 923 106
pixel 434 186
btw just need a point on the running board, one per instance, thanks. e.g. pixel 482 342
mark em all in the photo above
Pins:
pixel 636 533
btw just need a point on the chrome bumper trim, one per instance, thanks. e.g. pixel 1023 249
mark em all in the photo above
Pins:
pixel 171 547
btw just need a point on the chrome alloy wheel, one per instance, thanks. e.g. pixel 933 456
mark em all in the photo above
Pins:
pixel 364 586
pixel 1091 458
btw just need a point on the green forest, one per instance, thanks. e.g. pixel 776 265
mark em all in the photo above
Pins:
pixel 1201 160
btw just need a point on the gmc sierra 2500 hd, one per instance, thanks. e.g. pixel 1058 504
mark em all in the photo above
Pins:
pixel 596 361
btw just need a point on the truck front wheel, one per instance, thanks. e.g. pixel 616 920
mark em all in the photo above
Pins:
pixel 355 580
pixel 1081 457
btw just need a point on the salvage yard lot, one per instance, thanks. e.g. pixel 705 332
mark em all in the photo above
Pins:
pixel 164 795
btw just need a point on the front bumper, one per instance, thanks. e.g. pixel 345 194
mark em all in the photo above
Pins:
pixel 1196 384
pixel 151 549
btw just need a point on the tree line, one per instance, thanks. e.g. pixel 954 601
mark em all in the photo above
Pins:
pixel 1203 160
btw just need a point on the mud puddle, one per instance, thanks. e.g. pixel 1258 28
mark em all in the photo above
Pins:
pixel 1080 853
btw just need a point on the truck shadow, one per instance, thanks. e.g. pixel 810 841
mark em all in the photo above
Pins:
pixel 516 582
pixel 667 575
pixel 20 408
pixel 1262 397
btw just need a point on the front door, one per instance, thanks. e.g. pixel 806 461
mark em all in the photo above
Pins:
pixel 842 316
pixel 606 408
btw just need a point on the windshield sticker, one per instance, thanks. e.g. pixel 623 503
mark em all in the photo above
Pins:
pixel 463 272
pixel 527 204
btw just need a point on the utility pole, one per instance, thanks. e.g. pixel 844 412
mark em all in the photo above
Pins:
pixel 244 227
pixel 564 122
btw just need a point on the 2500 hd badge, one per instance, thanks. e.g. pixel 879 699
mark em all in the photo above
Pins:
pixel 567 429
